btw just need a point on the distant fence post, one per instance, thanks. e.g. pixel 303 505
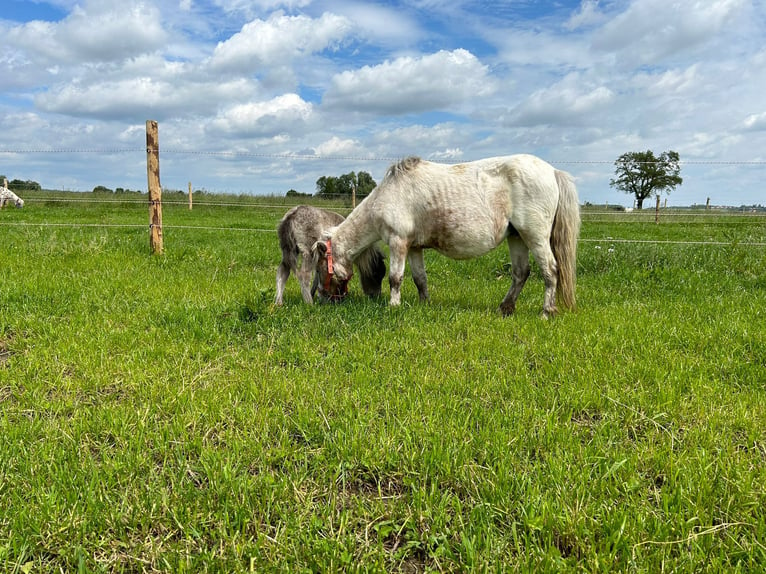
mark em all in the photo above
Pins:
pixel 190 196
pixel 657 211
pixel 155 190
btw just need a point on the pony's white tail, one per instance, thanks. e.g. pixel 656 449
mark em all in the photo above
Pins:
pixel 566 229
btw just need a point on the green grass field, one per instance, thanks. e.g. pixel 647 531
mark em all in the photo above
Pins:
pixel 158 413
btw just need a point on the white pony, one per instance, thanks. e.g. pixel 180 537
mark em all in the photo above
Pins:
pixel 7 195
pixel 464 211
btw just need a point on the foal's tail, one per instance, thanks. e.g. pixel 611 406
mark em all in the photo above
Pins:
pixel 566 229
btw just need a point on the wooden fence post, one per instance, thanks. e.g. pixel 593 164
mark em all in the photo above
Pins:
pixel 190 196
pixel 155 190
pixel 657 211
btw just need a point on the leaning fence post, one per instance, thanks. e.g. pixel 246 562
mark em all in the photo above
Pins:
pixel 155 191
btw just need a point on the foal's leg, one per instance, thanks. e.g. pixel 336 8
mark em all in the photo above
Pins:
pixel 283 272
pixel 520 272
pixel 418 270
pixel 397 256
pixel 304 277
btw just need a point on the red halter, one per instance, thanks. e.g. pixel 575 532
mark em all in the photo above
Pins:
pixel 343 291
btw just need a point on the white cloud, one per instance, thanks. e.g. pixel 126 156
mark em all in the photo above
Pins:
pixel 139 96
pixel 250 7
pixel 280 115
pixel 438 81
pixel 755 122
pixel 392 27
pixel 95 32
pixel 565 103
pixel 447 154
pixel 672 81
pixel 336 146
pixel 650 31
pixel 588 15
pixel 539 51
pixel 413 139
pixel 278 41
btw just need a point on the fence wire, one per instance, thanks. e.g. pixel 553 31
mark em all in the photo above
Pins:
pixel 314 157
pixel 166 227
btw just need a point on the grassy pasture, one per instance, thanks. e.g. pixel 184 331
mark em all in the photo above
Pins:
pixel 158 413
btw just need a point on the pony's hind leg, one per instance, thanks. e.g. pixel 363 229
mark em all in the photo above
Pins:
pixel 549 269
pixel 283 273
pixel 418 270
pixel 520 272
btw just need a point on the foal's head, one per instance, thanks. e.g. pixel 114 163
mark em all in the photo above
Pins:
pixel 333 275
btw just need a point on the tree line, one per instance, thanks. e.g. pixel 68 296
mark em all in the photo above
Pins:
pixel 21 185
pixel 641 174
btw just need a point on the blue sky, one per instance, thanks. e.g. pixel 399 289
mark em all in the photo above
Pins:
pixel 245 90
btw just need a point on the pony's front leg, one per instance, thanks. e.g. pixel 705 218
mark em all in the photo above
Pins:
pixel 304 278
pixel 397 257
pixel 418 270
pixel 520 271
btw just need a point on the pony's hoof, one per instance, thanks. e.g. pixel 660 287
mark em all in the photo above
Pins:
pixel 507 310
pixel 548 314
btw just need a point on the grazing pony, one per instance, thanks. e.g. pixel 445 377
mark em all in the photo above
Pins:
pixel 464 211
pixel 298 230
pixel 7 195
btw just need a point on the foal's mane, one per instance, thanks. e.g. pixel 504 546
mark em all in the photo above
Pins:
pixel 402 167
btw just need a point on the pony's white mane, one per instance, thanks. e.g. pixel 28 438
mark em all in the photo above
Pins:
pixel 328 233
pixel 402 168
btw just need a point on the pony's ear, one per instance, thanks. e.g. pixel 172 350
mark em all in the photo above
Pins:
pixel 319 248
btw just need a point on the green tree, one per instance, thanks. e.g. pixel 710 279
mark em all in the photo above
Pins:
pixel 344 185
pixel 293 193
pixel 643 174
pixel 364 184
pixel 327 186
pixel 19 185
